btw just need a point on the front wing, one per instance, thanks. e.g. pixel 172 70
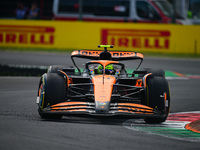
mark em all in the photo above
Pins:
pixel 66 108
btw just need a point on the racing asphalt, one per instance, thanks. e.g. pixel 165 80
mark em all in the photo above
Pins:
pixel 22 128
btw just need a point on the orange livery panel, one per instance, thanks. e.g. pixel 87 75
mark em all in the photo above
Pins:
pixel 114 54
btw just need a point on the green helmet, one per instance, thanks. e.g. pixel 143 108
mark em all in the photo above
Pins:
pixel 109 68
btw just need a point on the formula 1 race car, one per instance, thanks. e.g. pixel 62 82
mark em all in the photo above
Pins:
pixel 104 87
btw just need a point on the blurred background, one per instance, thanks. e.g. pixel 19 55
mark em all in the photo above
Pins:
pixel 156 11
pixel 155 26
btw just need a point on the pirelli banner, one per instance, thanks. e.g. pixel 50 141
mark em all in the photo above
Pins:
pixel 157 38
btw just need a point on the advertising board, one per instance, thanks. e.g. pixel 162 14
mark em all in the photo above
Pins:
pixel 87 35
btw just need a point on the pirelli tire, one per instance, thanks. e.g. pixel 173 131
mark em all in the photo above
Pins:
pixel 55 68
pixel 157 97
pixel 52 90
pixel 155 72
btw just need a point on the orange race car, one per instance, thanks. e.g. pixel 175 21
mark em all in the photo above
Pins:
pixel 104 87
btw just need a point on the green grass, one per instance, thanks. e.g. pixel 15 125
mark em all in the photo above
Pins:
pixel 70 50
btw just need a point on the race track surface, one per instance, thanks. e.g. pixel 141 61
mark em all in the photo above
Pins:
pixel 181 65
pixel 22 128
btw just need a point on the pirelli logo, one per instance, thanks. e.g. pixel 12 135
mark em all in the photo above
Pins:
pixel 32 35
pixel 148 39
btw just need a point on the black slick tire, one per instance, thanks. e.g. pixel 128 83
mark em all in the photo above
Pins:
pixel 158 97
pixel 55 68
pixel 155 72
pixel 52 90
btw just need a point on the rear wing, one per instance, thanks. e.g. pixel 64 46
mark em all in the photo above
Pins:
pixel 106 55
pixel 115 55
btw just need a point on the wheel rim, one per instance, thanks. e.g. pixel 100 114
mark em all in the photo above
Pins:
pixel 41 95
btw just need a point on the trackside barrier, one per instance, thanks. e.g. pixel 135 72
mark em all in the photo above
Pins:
pixel 157 38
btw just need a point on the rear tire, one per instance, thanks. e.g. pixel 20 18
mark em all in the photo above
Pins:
pixel 158 97
pixel 52 90
pixel 155 72
pixel 58 68
pixel 55 68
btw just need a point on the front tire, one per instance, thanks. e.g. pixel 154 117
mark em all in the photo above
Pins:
pixel 157 97
pixel 52 90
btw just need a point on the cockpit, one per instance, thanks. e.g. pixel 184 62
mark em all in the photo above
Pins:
pixel 104 67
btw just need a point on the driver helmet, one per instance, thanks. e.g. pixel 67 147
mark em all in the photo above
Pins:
pixel 109 69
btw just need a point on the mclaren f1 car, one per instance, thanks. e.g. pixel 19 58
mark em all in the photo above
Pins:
pixel 101 90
